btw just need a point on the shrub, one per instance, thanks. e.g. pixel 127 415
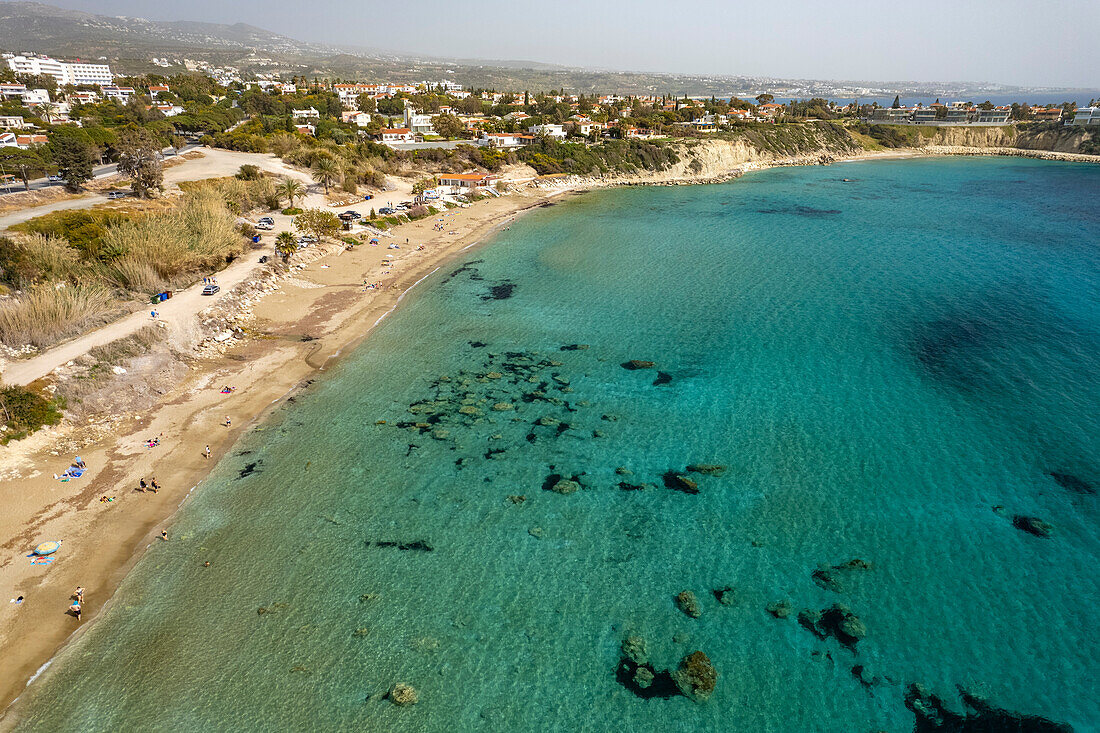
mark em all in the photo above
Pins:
pixel 23 411
pixel 36 257
pixel 292 211
pixel 47 313
pixel 249 173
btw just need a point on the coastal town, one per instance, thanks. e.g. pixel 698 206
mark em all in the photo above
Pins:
pixel 44 100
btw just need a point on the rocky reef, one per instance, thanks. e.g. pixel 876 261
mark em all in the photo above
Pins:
pixel 933 716
pixel 696 677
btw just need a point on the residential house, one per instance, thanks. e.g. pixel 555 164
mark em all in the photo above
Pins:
pixel 82 98
pixel 32 97
pixel 8 140
pixel 461 183
pixel 121 95
pixel 12 91
pixel 1088 116
pixel 553 131
pixel 11 122
pixel 769 110
pixel 504 139
pixel 309 113
pixel 155 90
pixel 306 129
pixel 397 135
pixel 418 123
pixel 355 117
pixel 169 110
pixel 26 142
pixel 1047 114
pixel 894 114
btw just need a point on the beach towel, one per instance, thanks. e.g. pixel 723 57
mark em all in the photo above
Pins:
pixel 37 560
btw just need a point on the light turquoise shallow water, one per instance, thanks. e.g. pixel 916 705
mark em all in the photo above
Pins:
pixel 879 363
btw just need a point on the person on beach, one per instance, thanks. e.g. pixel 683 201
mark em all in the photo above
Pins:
pixel 164 535
pixel 154 486
pixel 79 594
pixel 141 485
pixel 75 609
pixel 228 421
pixel 206 453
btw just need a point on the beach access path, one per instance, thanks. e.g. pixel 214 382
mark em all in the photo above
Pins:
pixel 184 303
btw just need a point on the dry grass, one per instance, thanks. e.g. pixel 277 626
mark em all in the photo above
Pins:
pixel 48 313
pixel 122 349
pixel 165 249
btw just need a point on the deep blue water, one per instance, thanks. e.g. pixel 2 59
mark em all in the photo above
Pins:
pixel 902 370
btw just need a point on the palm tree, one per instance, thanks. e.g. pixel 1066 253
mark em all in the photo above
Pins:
pixel 326 171
pixel 290 189
pixel 285 245
pixel 49 109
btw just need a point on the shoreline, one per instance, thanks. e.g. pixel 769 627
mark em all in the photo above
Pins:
pixel 273 370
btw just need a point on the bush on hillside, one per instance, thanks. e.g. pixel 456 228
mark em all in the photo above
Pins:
pixel 22 411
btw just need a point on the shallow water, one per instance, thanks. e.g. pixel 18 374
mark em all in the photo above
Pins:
pixel 890 369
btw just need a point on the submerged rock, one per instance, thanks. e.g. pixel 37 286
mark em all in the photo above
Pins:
pixel 979 716
pixel 574 347
pixel 779 609
pixel 565 486
pixel 707 469
pixel 696 677
pixel 644 677
pixel 637 364
pixel 662 378
pixel 680 482
pixel 634 648
pixel 725 596
pixel 689 604
pixel 403 694
pixel 503 406
pixel 1072 483
pixel 837 621
pixel 831 577
pixel 1033 526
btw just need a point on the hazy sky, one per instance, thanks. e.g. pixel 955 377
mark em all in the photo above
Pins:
pixel 1024 42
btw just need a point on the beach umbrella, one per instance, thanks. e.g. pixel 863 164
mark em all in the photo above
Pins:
pixel 47 548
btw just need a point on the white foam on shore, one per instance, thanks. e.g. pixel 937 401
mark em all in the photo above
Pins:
pixel 38 672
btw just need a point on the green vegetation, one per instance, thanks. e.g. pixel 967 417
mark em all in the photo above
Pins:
pixel 74 267
pixel 550 156
pixel 23 411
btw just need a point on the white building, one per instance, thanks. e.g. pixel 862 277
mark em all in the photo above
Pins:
pixel 554 131
pixel 309 113
pixel 504 139
pixel 398 135
pixel 1087 116
pixel 119 94
pixel 64 72
pixel 11 122
pixel 418 123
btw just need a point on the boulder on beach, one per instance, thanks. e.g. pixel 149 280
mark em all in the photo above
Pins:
pixel 689 604
pixel 403 694
pixel 696 677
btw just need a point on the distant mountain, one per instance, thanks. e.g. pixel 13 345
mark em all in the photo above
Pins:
pixel 131 43
pixel 32 26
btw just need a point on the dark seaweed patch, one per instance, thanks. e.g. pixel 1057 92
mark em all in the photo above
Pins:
pixel 663 686
pixel 501 291
pixel 807 211
pixel 414 546
pixel 249 469
pixel 932 716
pixel 1069 482
pixel 662 378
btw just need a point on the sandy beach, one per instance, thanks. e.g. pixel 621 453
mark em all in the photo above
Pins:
pixel 296 324
pixel 316 312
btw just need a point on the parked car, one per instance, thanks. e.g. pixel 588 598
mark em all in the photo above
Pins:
pixel 112 195
pixel 265 222
pixel 55 179
pixel 386 211
pixel 352 214
pixel 210 289
pixel 263 259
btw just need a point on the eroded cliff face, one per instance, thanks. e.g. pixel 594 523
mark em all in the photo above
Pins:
pixel 1059 139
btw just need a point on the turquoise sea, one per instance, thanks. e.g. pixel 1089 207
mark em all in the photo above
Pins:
pixel 899 373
